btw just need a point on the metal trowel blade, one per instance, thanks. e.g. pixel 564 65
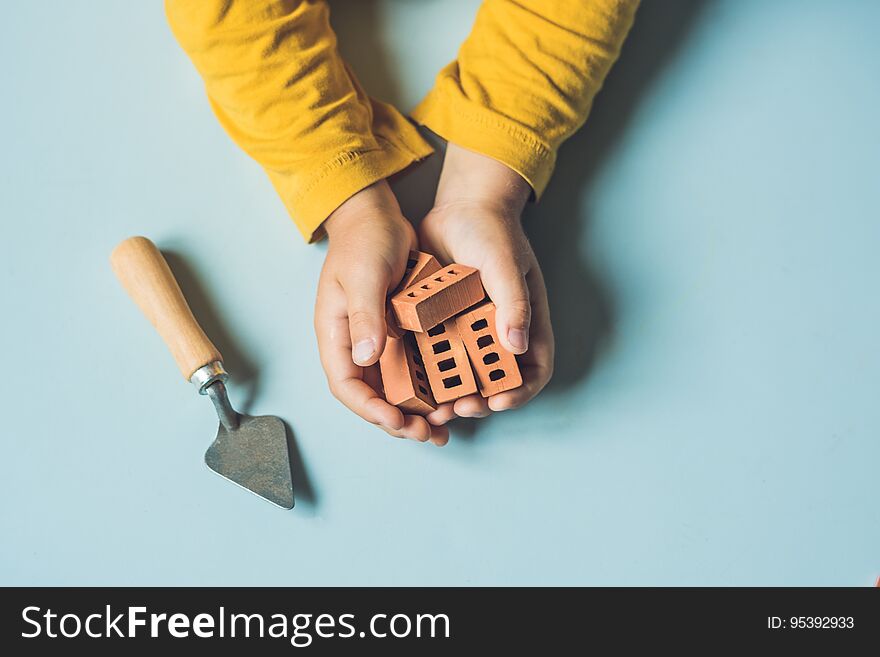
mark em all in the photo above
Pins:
pixel 255 457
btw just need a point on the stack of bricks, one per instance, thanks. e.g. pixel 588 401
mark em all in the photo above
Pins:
pixel 442 343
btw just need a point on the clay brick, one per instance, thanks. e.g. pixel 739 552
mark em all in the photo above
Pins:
pixel 435 299
pixel 404 378
pixel 393 330
pixel 495 367
pixel 373 378
pixel 418 266
pixel 446 362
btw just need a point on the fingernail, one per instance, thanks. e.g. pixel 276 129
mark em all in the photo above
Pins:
pixel 363 351
pixel 518 338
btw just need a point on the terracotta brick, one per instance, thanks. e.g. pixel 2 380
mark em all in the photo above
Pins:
pixel 436 298
pixel 393 330
pixel 418 266
pixel 373 378
pixel 446 362
pixel 495 367
pixel 403 377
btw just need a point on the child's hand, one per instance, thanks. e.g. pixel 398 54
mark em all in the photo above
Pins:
pixel 476 221
pixel 370 241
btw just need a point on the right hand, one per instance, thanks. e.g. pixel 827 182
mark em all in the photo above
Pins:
pixel 476 221
pixel 369 243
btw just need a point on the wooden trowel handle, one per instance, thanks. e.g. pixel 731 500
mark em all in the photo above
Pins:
pixel 148 280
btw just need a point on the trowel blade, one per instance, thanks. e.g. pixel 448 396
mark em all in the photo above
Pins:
pixel 255 457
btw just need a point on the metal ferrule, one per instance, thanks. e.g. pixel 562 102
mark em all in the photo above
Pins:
pixel 228 416
pixel 208 374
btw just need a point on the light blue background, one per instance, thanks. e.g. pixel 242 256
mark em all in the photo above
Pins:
pixel 710 241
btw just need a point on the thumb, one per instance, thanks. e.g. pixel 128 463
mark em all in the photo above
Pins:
pixel 365 293
pixel 506 286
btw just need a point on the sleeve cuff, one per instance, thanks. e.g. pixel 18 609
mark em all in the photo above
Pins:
pixel 477 128
pixel 311 201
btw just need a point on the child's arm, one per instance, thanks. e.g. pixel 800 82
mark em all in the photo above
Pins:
pixel 523 82
pixel 525 79
pixel 278 86
pixel 281 91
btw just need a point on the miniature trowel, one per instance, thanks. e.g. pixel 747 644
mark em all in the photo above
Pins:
pixel 248 451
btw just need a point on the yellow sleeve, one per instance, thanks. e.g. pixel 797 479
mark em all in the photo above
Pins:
pixel 277 84
pixel 525 79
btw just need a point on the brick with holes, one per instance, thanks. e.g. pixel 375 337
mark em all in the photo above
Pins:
pixel 403 377
pixel 446 362
pixel 418 266
pixel 436 298
pixel 495 367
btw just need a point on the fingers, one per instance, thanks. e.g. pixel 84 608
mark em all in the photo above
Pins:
pixel 365 290
pixel 471 406
pixel 419 429
pixel 343 376
pixel 363 400
pixel 505 282
pixel 534 380
pixel 536 366
pixel 442 415
pixel 441 440
pixel 335 332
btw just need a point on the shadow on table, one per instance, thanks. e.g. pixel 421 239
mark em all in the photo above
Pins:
pixel 581 307
pixel 359 26
pixel 242 369
pixel 304 492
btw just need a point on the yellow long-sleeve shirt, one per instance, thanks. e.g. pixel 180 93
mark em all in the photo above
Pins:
pixel 524 81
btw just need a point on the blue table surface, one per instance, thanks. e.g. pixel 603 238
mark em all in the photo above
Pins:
pixel 710 241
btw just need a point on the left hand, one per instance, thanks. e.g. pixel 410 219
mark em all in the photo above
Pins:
pixel 475 221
